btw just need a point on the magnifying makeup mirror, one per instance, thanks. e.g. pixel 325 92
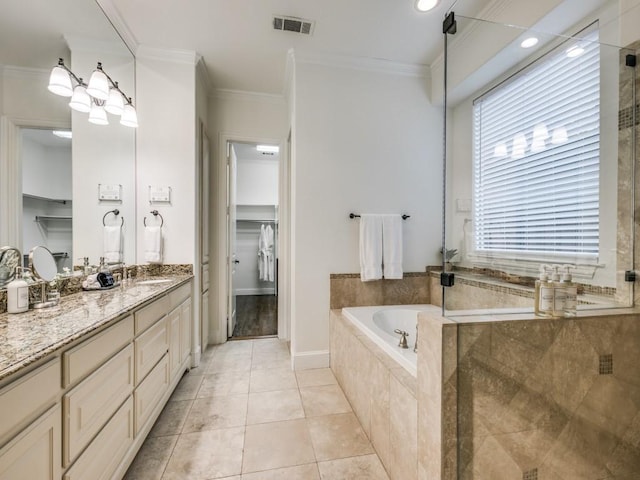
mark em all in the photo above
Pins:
pixel 44 268
pixel 10 258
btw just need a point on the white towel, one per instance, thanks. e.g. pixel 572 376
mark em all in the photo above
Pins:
pixel 262 264
pixel 153 244
pixel 392 246
pixel 112 245
pixel 370 247
pixel 269 253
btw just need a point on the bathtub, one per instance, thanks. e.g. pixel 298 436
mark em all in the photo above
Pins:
pixel 379 323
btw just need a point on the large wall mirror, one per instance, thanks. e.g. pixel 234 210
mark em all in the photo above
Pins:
pixel 52 160
pixel 542 155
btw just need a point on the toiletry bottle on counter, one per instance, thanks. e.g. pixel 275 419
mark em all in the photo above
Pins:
pixel 559 293
pixel 571 292
pixel 543 294
pixel 18 294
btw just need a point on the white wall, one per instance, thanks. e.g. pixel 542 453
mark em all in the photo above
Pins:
pixel 241 117
pixel 365 142
pixel 166 148
pixel 46 171
pixel 257 182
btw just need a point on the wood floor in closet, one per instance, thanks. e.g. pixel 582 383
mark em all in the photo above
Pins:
pixel 256 316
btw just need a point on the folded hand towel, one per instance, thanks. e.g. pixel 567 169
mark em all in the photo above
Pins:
pixel 112 243
pixel 153 244
pixel 370 247
pixel 392 246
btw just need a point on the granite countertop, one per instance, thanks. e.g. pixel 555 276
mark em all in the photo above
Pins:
pixel 29 336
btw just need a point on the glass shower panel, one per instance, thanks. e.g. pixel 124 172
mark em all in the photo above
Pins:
pixel 539 164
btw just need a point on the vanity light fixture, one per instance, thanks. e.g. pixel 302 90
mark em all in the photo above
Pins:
pixel 268 148
pixel 529 42
pixel 99 96
pixel 426 5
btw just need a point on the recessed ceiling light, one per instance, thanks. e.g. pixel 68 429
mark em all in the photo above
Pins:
pixel 529 42
pixel 268 148
pixel 426 5
pixel 575 51
pixel 62 133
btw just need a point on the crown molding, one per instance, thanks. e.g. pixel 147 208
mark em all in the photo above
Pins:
pixel 241 95
pixel 117 21
pixel 376 65
pixel 188 57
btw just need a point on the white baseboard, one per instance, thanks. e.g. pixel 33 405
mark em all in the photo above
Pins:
pixel 255 291
pixel 309 360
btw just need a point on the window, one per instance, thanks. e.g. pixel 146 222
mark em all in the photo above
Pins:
pixel 536 157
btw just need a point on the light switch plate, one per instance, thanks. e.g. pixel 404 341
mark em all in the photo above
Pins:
pixel 109 192
pixel 159 194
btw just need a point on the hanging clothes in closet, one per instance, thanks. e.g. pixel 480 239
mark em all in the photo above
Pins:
pixel 266 267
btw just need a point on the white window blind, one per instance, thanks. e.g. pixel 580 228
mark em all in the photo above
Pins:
pixel 536 158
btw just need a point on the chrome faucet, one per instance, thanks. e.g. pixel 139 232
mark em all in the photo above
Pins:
pixel 415 347
pixel 403 338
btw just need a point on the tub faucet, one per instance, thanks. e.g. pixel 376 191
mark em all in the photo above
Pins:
pixel 415 347
pixel 403 338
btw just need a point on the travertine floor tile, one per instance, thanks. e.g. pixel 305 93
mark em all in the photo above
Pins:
pixel 302 472
pixel 206 455
pixel 338 436
pixel 269 380
pixel 234 362
pixel 367 467
pixel 187 389
pixel 315 377
pixel 324 400
pixel 152 459
pixel 216 412
pixel 171 419
pixel 274 406
pixel 224 383
pixel 276 445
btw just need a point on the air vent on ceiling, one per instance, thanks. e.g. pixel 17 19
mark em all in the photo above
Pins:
pixel 293 24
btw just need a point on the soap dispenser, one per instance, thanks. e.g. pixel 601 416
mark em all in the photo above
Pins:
pixel 571 292
pixel 559 293
pixel 543 294
pixel 18 293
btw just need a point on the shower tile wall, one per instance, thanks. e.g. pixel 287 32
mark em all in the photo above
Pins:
pixel 559 399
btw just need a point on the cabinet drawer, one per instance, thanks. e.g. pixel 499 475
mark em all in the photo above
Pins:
pixel 149 348
pixel 103 456
pixel 89 405
pixel 86 357
pixel 35 453
pixel 148 395
pixel 179 295
pixel 147 316
pixel 27 397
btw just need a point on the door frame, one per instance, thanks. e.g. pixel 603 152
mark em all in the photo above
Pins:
pixel 222 234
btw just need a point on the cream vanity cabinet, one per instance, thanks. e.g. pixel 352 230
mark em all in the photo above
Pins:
pixel 84 413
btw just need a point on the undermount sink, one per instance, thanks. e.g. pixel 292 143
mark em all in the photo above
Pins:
pixel 153 281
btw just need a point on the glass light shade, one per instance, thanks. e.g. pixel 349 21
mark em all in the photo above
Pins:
pixel 500 151
pixel 519 146
pixel 129 116
pixel 98 115
pixel 115 103
pixel 559 135
pixel 426 5
pixel 80 101
pixel 98 85
pixel 60 82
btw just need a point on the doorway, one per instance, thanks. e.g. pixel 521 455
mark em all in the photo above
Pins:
pixel 253 229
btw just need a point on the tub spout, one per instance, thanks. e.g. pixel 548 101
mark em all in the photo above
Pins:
pixel 415 347
pixel 403 338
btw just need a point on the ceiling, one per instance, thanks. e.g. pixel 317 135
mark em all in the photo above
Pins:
pixel 46 138
pixel 248 152
pixel 242 51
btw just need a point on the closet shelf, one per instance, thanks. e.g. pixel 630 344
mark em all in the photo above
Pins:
pixel 63 201
pixel 45 218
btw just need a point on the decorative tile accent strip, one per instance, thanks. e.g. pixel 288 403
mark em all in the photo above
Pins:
pixel 606 364
pixel 530 474
pixel 625 117
pixel 334 276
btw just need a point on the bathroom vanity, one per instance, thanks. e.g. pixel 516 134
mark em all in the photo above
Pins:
pixel 81 384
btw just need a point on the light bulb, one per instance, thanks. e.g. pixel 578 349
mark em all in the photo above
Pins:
pixel 98 85
pixel 129 116
pixel 426 5
pixel 60 82
pixel 115 103
pixel 80 101
pixel 98 116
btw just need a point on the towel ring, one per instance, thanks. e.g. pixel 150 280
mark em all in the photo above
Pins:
pixel 155 213
pixel 115 212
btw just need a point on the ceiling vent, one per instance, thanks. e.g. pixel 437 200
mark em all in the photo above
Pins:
pixel 293 24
